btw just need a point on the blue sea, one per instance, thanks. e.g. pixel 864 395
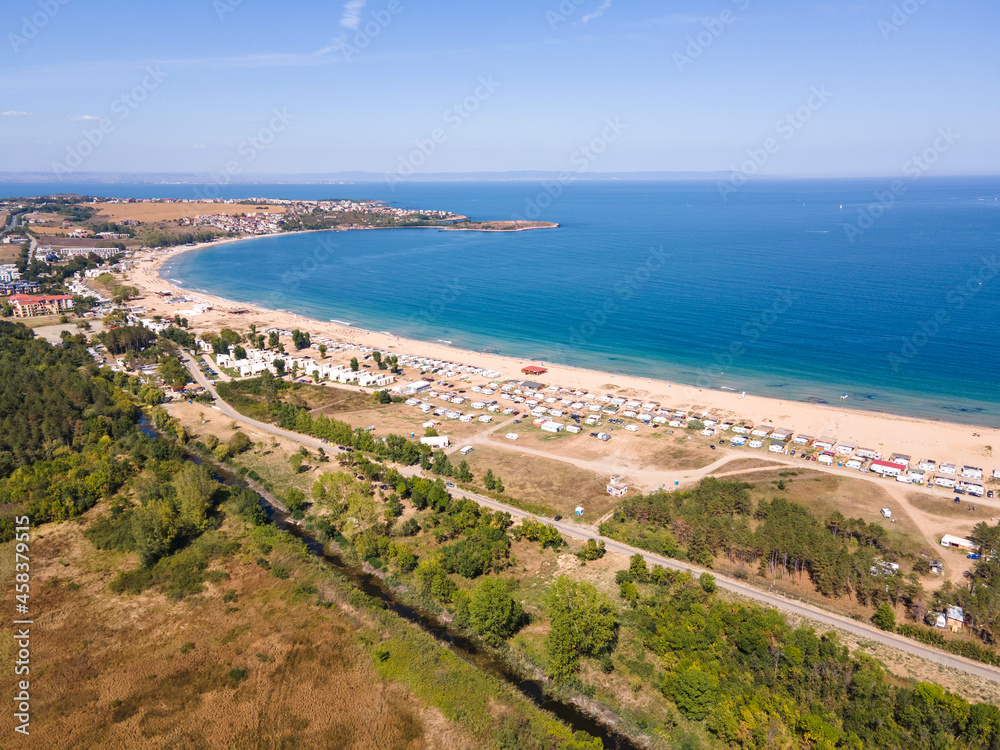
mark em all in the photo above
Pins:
pixel 805 290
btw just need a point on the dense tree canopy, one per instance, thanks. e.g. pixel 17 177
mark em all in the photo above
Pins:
pixel 584 623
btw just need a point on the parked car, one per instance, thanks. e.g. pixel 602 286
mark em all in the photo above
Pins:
pixel 712 447
pixel 557 518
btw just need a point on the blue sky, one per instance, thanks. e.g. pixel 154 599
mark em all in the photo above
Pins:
pixel 440 87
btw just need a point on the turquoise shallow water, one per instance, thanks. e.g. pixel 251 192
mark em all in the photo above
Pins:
pixel 763 292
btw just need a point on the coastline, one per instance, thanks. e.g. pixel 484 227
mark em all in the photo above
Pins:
pixel 920 438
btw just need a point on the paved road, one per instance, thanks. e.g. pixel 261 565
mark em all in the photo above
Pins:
pixel 840 622
pixel 229 411
pixel 583 533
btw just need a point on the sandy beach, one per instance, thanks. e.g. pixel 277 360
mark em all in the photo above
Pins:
pixel 942 441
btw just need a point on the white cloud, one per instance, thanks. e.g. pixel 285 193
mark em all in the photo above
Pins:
pixel 351 17
pixel 597 12
pixel 84 118
pixel 14 113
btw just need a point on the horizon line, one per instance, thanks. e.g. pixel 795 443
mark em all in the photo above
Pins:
pixel 183 177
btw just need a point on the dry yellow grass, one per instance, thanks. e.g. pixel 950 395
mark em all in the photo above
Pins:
pixel 746 464
pixel 542 480
pixel 53 230
pixel 113 671
pixel 173 211
pixel 824 493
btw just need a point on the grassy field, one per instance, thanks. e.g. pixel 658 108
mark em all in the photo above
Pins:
pixel 944 507
pixel 41 320
pixel 150 212
pixel 825 493
pixel 648 449
pixel 745 464
pixel 359 410
pixel 248 663
pixel 658 449
pixel 541 480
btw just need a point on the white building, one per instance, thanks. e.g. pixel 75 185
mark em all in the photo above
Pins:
pixel 887 468
pixel 950 540
pixel 441 441
pixel 420 385
pixel 616 487
pixel 972 472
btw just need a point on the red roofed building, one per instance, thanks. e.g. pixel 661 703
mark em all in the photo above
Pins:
pixel 887 468
pixel 29 305
pixel 534 370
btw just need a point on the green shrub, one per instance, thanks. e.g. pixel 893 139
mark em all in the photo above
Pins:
pixel 237 675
